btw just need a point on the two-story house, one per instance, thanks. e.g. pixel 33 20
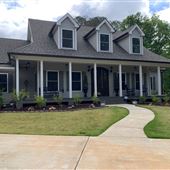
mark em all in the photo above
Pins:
pixel 65 57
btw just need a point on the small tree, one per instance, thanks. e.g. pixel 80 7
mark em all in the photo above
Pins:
pixel 40 101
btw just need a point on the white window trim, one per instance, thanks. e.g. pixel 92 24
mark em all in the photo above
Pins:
pixel 141 45
pixel 80 81
pixel 99 42
pixel 56 71
pixel 7 81
pixel 61 39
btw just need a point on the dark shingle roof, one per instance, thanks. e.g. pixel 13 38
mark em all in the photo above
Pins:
pixel 44 45
pixel 7 45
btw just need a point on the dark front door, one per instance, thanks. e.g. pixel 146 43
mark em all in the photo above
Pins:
pixel 102 81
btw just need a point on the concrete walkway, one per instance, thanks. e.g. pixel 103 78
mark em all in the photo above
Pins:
pixel 122 146
pixel 132 125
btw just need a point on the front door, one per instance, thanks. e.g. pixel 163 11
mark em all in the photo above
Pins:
pixel 102 81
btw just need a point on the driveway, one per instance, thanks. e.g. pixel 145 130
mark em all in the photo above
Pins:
pixel 122 146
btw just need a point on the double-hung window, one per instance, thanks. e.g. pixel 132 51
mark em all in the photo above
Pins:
pixel 4 82
pixel 136 45
pixel 104 42
pixel 76 81
pixel 137 81
pixel 67 38
pixel 52 80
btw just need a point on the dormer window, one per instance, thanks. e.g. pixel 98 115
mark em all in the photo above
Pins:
pixel 136 45
pixel 67 38
pixel 104 42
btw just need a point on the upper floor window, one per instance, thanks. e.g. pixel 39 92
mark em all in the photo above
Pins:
pixel 104 42
pixel 136 45
pixel 67 38
pixel 4 82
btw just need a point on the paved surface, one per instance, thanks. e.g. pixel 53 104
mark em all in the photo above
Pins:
pixel 132 125
pixel 122 146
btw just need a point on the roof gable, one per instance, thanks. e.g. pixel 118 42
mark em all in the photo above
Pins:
pixel 136 27
pixel 108 25
pixel 59 22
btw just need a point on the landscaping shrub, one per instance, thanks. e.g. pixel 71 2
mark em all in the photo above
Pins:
pixel 77 100
pixel 58 100
pixel 166 99
pixel 1 99
pixel 155 100
pixel 23 94
pixel 142 99
pixel 96 100
pixel 40 101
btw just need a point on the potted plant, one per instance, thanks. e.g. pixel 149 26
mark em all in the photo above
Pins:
pixel 85 85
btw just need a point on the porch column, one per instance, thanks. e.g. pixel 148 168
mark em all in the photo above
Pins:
pixel 41 79
pixel 38 77
pixel 120 80
pixel 17 77
pixel 159 80
pixel 141 80
pixel 70 80
pixel 95 79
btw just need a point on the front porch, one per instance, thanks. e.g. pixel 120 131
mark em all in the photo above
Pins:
pixel 70 79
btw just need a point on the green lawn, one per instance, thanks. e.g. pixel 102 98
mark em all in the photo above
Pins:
pixel 90 122
pixel 160 126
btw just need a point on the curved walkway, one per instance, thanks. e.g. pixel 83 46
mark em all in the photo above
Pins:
pixel 132 125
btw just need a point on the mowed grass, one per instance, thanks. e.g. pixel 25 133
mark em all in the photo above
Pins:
pixel 159 127
pixel 85 122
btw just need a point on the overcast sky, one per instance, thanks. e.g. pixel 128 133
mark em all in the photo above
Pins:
pixel 14 14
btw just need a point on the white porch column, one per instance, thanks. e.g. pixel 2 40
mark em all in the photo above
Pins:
pixel 70 80
pixel 141 80
pixel 41 79
pixel 95 79
pixel 159 80
pixel 120 80
pixel 17 77
pixel 38 77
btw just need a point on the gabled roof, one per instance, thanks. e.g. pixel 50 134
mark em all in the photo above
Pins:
pixel 119 34
pixel 105 21
pixel 44 45
pixel 7 45
pixel 136 27
pixel 97 28
pixel 70 18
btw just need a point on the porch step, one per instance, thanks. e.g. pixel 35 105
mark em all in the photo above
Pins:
pixel 112 100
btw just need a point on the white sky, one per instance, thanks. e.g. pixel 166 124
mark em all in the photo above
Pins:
pixel 14 14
